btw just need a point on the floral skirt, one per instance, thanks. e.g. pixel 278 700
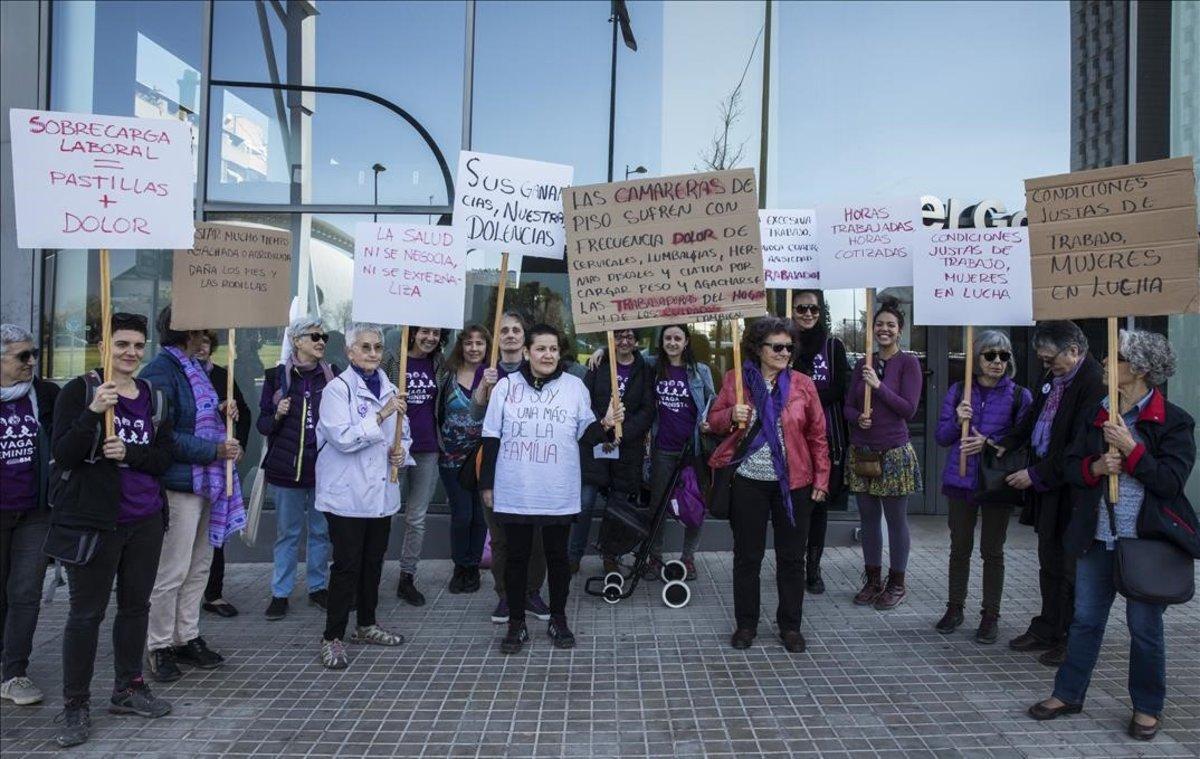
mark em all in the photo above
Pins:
pixel 901 474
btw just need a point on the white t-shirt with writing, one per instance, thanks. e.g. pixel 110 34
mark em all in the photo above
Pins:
pixel 537 471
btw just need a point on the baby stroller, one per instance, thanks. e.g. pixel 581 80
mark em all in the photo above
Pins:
pixel 629 529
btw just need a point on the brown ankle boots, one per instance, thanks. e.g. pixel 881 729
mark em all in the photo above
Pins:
pixel 872 586
pixel 893 593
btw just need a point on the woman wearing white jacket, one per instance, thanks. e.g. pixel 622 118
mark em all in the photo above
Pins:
pixel 355 434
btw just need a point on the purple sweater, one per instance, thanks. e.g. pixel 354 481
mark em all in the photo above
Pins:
pixel 892 404
pixel 993 416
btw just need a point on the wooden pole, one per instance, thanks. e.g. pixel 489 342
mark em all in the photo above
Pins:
pixel 106 333
pixel 402 390
pixel 612 378
pixel 1114 410
pixel 787 303
pixel 499 310
pixel 736 336
pixel 968 381
pixel 230 405
pixel 870 346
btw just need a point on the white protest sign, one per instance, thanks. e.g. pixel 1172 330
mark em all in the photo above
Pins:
pixel 88 181
pixel 973 276
pixel 789 246
pixel 869 244
pixel 408 274
pixel 510 205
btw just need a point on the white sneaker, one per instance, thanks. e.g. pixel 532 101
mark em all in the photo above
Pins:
pixel 21 691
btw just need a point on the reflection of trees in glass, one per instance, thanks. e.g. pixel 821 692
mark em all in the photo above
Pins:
pixel 719 155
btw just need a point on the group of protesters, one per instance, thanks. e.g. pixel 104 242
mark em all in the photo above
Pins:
pixel 529 450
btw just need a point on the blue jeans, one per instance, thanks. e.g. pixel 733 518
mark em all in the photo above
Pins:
pixel 583 523
pixel 468 529
pixel 1094 594
pixel 291 505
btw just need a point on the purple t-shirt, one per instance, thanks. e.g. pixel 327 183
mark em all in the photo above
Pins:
pixel 18 440
pixel 623 372
pixel 140 493
pixel 820 369
pixel 676 410
pixel 422 386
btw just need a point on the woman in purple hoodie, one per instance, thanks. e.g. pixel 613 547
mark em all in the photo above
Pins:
pixel 995 406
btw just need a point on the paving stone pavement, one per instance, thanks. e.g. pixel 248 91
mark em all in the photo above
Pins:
pixel 645 680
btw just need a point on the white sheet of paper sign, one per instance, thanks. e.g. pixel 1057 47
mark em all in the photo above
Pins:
pixel 973 276
pixel 868 244
pixel 410 274
pixel 789 246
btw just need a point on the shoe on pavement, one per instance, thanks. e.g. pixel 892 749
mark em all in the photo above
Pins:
pixel 690 563
pixel 951 620
pixel 793 641
pixel 500 614
pixel 220 607
pixel 742 639
pixel 471 581
pixel 1054 657
pixel 407 591
pixel 814 583
pixel 196 653
pixel 333 654
pixel 376 635
pixel 457 579
pixel 559 633
pixel 137 699
pixel 76 723
pixel 893 593
pixel 277 609
pixel 537 607
pixel 21 691
pixel 515 638
pixel 1027 641
pixel 319 598
pixel 989 628
pixel 162 666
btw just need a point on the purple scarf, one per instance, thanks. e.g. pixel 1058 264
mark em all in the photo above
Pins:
pixel 769 405
pixel 285 375
pixel 227 514
pixel 1045 420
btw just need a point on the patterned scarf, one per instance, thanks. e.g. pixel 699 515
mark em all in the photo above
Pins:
pixel 227 514
pixel 769 405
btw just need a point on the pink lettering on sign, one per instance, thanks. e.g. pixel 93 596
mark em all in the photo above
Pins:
pixel 423 282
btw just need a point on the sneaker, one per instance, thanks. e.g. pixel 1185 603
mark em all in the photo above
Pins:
pixel 76 723
pixel 407 591
pixel 376 635
pixel 559 633
pixel 989 628
pixel 951 620
pixel 162 665
pixel 318 598
pixel 690 563
pixel 537 607
pixel 333 654
pixel 872 587
pixel 500 613
pixel 458 579
pixel 196 653
pixel 893 593
pixel 471 581
pixel 137 699
pixel 21 691
pixel 277 609
pixel 514 639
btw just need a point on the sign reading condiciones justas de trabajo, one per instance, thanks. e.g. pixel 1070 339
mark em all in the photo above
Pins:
pixel 89 181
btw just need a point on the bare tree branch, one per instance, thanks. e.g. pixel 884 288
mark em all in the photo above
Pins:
pixel 719 155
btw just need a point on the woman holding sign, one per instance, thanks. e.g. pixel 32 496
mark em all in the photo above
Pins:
pixel 883 469
pixel 537 420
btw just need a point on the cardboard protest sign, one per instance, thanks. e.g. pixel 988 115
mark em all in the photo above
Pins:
pixel 648 252
pixel 408 274
pixel 510 205
pixel 868 244
pixel 86 181
pixel 234 276
pixel 1119 241
pixel 789 246
pixel 973 276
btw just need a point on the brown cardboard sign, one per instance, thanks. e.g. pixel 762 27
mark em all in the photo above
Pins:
pixel 235 276
pixel 1119 241
pixel 649 252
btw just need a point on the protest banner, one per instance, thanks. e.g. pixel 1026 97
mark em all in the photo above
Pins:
pixel 789 246
pixel 233 276
pixel 972 276
pixel 1114 242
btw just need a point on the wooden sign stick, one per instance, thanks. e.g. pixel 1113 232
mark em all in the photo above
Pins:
pixel 230 405
pixel 106 333
pixel 870 346
pixel 1114 410
pixel 401 390
pixel 968 380
pixel 787 303
pixel 735 334
pixel 499 311
pixel 612 378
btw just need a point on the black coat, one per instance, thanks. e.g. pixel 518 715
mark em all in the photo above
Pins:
pixel 1162 464
pixel 623 474
pixel 86 487
pixel 241 428
pixel 47 394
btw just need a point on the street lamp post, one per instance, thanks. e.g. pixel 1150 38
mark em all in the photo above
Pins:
pixel 378 169
pixel 638 170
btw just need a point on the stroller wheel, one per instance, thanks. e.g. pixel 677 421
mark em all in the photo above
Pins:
pixel 676 594
pixel 612 593
pixel 615 578
pixel 674 571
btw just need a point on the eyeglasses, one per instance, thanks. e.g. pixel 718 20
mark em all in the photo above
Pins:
pixel 1002 356
pixel 317 337
pixel 780 347
pixel 24 356
pixel 371 347
pixel 628 337
pixel 808 308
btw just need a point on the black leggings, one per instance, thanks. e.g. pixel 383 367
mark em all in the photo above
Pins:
pixel 558 570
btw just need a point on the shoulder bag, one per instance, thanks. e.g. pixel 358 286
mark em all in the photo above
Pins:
pixel 1151 571
pixel 721 487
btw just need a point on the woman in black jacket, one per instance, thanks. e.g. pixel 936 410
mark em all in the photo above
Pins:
pixel 106 491
pixel 1155 452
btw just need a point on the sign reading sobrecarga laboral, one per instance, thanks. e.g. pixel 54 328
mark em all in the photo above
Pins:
pixel 789 246
pixel 408 274
pixel 1119 241
pixel 87 181
pixel 659 251
pixel 973 276
pixel 234 276
pixel 512 205
pixel 868 244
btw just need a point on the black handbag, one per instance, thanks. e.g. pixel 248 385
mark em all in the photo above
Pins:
pixel 720 490
pixel 1151 571
pixel 994 470
pixel 71 545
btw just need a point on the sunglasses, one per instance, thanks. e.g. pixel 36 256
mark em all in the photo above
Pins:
pixel 808 308
pixel 317 337
pixel 780 347
pixel 25 355
pixel 996 356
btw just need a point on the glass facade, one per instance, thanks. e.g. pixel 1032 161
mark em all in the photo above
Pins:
pixel 313 116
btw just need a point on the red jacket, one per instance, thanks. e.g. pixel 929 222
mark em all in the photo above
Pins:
pixel 803 432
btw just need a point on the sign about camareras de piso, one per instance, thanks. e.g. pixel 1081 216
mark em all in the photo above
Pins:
pixel 649 252
pixel 89 181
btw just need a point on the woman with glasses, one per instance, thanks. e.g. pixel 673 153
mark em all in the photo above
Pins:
pixel 289 410
pixel 26 421
pixel 355 449
pixel 777 443
pixel 995 407
pixel 822 357
pixel 882 436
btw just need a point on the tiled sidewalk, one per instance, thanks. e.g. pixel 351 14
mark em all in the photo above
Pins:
pixel 645 680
